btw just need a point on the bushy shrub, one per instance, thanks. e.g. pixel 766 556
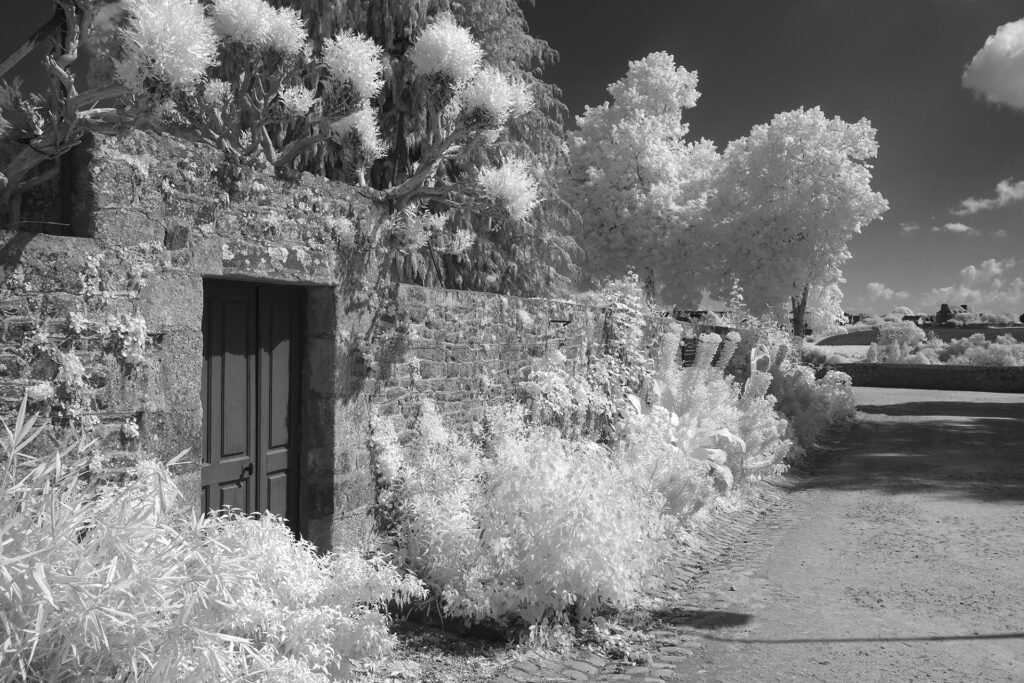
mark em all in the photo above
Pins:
pixel 976 349
pixel 704 431
pixel 518 529
pixel 897 341
pixel 811 405
pixel 114 582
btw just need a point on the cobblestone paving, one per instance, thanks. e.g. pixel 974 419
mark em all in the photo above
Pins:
pixel 692 599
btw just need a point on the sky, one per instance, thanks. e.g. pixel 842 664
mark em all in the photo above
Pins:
pixel 899 63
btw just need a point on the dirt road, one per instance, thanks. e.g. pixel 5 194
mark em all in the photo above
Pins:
pixel 901 560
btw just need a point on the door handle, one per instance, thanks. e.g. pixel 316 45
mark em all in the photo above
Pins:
pixel 246 473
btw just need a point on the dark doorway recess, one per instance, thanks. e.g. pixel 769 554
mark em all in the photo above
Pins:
pixel 252 372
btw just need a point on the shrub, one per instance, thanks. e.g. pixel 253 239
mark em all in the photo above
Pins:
pixel 538 526
pixel 976 349
pixel 896 341
pixel 811 405
pixel 104 581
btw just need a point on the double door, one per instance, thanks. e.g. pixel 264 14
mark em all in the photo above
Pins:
pixel 250 387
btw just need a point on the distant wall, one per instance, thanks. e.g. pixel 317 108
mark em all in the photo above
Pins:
pixel 946 377
pixel 865 337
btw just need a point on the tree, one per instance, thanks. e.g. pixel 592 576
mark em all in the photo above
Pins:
pixel 412 113
pixel 787 200
pixel 639 186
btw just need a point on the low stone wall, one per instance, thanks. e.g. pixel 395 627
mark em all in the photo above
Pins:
pixel 945 377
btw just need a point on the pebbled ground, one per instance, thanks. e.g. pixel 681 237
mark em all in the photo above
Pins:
pixel 900 559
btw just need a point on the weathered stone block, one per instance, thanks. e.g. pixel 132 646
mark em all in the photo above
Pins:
pixel 180 363
pixel 173 300
pixel 172 431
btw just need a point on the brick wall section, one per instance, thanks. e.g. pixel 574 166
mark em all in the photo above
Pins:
pixel 944 377
pixel 468 350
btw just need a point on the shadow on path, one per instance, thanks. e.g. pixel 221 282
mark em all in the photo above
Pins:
pixel 960 449
pixel 908 639
pixel 703 619
pixel 1010 410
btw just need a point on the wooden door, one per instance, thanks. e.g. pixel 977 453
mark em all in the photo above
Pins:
pixel 250 389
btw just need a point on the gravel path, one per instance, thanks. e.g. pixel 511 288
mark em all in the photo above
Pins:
pixel 901 559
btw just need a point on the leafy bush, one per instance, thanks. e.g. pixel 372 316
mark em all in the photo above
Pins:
pixel 896 342
pixel 811 405
pixel 518 529
pixel 976 349
pixel 119 581
pixel 704 430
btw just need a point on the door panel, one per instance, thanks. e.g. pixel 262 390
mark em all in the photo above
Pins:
pixel 280 334
pixel 229 388
pixel 251 374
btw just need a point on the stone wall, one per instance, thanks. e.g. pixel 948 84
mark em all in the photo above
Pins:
pixel 154 218
pixel 468 350
pixel 945 377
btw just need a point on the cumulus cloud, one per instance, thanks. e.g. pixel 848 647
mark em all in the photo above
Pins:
pixel 958 228
pixel 988 273
pixel 877 290
pixel 993 286
pixel 997 71
pixel 907 228
pixel 1007 192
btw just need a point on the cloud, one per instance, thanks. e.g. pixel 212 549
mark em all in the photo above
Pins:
pixel 1007 192
pixel 876 290
pixel 907 228
pixel 988 287
pixel 958 228
pixel 997 71
pixel 987 273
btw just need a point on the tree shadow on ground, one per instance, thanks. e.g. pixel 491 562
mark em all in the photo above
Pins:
pixel 962 450
pixel 702 619
pixel 1009 410
pixel 893 639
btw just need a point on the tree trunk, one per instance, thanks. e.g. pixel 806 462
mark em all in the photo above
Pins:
pixel 799 310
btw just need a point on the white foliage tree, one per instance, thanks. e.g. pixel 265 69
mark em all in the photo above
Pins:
pixel 639 186
pixel 789 197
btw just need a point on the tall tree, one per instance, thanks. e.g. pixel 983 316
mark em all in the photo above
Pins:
pixel 788 199
pixel 640 187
